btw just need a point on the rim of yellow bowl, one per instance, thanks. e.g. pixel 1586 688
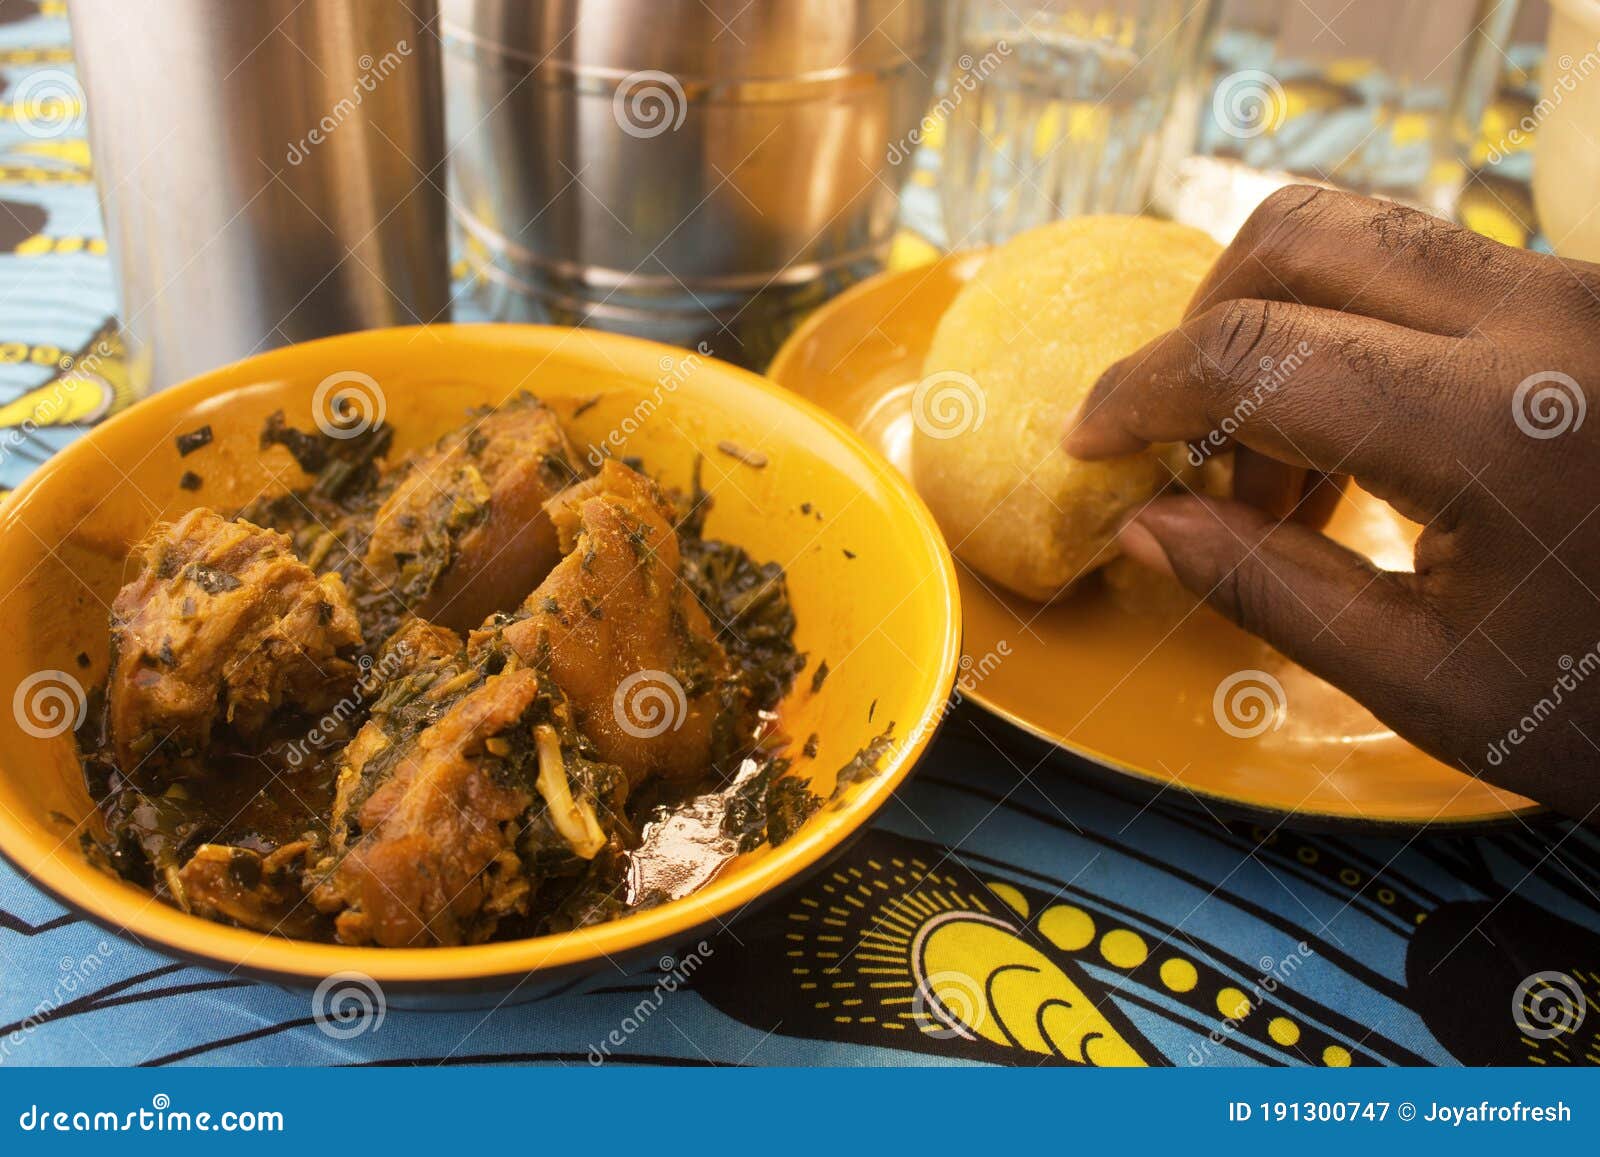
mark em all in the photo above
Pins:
pixel 193 937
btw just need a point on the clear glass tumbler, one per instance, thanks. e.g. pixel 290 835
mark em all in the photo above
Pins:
pixel 1381 96
pixel 1057 109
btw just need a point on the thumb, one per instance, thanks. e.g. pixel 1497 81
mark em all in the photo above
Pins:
pixel 1365 630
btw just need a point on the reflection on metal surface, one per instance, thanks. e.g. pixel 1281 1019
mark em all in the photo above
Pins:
pixel 680 170
pixel 268 171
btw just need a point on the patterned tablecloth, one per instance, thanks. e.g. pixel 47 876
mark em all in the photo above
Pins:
pixel 1197 942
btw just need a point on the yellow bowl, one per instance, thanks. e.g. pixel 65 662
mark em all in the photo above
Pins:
pixel 886 620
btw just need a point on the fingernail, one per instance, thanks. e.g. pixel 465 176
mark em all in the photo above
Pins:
pixel 1140 545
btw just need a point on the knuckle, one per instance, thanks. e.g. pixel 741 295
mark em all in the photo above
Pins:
pixel 1301 231
pixel 1242 587
pixel 1284 204
pixel 1289 211
pixel 1247 594
pixel 1226 598
pixel 1427 239
pixel 1236 337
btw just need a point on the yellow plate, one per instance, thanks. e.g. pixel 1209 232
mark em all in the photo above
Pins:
pixel 1118 688
pixel 887 620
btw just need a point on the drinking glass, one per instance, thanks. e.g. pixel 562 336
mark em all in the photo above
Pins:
pixel 1380 96
pixel 1058 109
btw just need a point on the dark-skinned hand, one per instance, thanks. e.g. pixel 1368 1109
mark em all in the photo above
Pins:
pixel 1449 375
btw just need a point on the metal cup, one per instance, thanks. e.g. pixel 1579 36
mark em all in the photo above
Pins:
pixel 688 170
pixel 269 172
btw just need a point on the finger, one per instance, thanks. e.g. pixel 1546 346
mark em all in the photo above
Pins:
pixel 1307 387
pixel 1322 495
pixel 1272 487
pixel 1364 630
pixel 1307 496
pixel 1337 250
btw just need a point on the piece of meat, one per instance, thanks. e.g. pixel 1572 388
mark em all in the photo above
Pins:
pixel 423 669
pixel 433 839
pixel 625 639
pixel 463 533
pixel 435 861
pixel 415 644
pixel 222 627
pixel 243 887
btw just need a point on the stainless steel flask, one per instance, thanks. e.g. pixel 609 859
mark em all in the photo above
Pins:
pixel 682 169
pixel 269 171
